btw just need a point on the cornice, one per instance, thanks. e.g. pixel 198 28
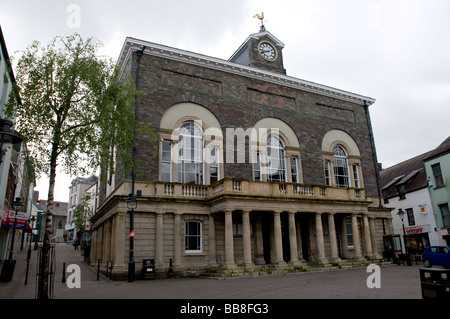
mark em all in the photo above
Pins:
pixel 205 61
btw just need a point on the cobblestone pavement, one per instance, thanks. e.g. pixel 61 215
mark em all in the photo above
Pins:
pixel 397 282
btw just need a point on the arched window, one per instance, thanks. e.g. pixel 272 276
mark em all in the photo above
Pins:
pixel 190 154
pixel 340 167
pixel 276 161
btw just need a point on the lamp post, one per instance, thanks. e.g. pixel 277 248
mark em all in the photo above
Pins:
pixel 9 264
pixel 29 249
pixel 401 214
pixel 131 205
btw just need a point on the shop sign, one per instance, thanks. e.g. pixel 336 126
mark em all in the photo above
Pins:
pixel 416 230
pixel 21 219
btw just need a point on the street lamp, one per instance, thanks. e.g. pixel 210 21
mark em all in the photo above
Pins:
pixel 7 136
pixel 131 205
pixel 401 214
pixel 9 264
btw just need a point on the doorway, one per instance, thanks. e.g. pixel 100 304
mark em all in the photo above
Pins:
pixel 304 230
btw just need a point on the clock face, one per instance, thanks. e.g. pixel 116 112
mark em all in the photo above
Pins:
pixel 267 51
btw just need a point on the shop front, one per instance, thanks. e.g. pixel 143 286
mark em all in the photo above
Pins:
pixel 417 238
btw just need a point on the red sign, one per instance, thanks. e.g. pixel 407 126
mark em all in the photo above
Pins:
pixel 132 234
pixel 414 230
pixel 9 216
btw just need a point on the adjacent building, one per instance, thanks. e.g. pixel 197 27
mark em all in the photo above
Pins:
pixel 252 168
pixel 437 166
pixel 77 191
pixel 419 187
pixel 405 187
pixel 16 174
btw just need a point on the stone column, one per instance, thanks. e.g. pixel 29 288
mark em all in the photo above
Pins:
pixel 373 238
pixel 344 238
pixel 229 246
pixel 333 239
pixel 119 230
pixel 277 237
pixel 356 241
pixel 94 247
pixel 177 231
pixel 246 238
pixel 319 238
pixel 107 241
pixel 259 241
pixel 367 237
pixel 159 251
pixel 212 241
pixel 293 239
pixel 100 230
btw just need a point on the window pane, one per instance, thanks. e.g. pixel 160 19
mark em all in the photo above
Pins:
pixel 349 233
pixel 326 168
pixel 193 236
pixel 256 166
pixel 356 175
pixel 340 167
pixel 190 146
pixel 437 174
pixel 166 161
pixel 294 171
pixel 410 214
pixel 445 214
pixel 276 167
pixel 214 165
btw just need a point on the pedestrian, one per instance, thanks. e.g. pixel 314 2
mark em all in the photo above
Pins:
pixel 76 243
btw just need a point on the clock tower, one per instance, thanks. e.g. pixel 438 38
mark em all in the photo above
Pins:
pixel 261 50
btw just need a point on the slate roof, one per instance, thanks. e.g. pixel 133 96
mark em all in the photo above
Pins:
pixel 444 147
pixel 410 173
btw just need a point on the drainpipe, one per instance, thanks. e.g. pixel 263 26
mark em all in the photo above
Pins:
pixel 131 264
pixel 374 154
pixel 138 63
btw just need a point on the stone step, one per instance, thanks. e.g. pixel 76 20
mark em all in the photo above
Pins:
pixel 266 270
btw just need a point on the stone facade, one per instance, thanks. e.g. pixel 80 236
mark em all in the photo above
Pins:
pixel 236 213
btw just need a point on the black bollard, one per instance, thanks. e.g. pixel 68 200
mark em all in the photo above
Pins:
pixel 98 269
pixel 64 273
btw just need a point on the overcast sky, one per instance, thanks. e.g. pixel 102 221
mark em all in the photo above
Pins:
pixel 397 52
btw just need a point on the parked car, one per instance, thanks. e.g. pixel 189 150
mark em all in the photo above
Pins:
pixel 436 256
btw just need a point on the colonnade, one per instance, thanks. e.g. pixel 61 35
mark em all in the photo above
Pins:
pixel 109 239
pixel 368 229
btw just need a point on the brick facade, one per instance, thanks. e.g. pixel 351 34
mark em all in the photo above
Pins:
pixel 239 96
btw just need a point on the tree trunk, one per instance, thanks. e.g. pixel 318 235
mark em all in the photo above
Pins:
pixel 43 288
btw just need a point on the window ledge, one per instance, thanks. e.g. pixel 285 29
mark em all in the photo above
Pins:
pixel 187 254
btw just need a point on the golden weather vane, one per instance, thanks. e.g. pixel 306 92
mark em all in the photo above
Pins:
pixel 261 18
